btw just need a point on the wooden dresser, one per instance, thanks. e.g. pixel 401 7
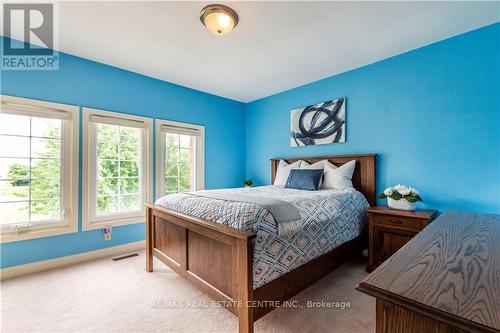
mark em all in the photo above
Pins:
pixel 445 279
pixel 390 229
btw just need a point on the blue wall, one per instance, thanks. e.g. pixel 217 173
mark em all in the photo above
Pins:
pixel 432 115
pixel 89 84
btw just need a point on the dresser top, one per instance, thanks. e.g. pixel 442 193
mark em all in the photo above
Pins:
pixel 450 271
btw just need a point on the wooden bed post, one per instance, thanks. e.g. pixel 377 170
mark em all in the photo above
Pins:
pixel 149 239
pixel 244 281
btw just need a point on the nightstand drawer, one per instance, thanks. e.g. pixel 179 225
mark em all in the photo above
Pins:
pixel 397 221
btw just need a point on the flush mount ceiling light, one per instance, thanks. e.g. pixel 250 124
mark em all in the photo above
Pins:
pixel 219 19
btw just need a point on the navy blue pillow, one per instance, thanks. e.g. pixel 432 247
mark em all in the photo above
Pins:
pixel 304 179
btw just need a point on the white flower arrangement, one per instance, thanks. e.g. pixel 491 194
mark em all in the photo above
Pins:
pixel 401 192
pixel 401 197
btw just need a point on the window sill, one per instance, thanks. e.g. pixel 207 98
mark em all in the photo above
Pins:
pixel 113 222
pixel 38 233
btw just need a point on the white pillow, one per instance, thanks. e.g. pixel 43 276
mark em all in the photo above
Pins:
pixel 316 166
pixel 283 171
pixel 338 177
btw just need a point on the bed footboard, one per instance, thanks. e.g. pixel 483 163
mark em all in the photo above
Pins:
pixel 219 261
pixel 215 258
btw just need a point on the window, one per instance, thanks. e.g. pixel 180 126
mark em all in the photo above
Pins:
pixel 117 169
pixel 38 168
pixel 180 156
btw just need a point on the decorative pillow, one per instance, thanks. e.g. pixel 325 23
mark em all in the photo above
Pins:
pixel 302 179
pixel 338 177
pixel 283 171
pixel 315 166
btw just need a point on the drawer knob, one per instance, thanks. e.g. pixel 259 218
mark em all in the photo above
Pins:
pixel 396 221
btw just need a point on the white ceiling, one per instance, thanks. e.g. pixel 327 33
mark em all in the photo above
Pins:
pixel 276 45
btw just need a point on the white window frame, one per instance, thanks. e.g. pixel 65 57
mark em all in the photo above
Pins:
pixel 69 171
pixel 160 153
pixel 90 220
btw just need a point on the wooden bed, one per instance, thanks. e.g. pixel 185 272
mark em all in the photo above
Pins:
pixel 218 259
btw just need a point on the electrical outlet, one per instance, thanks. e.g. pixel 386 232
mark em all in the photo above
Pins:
pixel 106 231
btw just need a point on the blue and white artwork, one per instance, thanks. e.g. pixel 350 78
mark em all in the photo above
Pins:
pixel 318 124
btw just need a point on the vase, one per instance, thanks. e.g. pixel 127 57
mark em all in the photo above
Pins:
pixel 401 204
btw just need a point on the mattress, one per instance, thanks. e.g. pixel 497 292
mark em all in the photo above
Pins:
pixel 329 219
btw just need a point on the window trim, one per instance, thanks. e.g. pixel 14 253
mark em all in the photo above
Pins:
pixel 89 222
pixel 70 156
pixel 160 154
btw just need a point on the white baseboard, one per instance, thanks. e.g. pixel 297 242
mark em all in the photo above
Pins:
pixel 10 272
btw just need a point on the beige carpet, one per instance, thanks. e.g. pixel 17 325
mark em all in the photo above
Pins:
pixel 108 296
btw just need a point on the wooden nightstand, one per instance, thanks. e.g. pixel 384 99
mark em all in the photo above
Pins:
pixel 390 229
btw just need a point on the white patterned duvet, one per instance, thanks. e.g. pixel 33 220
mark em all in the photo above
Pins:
pixel 329 219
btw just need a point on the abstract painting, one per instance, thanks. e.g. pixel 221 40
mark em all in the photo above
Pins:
pixel 318 124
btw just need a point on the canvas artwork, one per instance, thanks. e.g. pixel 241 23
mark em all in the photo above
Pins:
pixel 318 124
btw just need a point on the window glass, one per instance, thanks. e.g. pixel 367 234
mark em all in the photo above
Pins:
pixel 118 181
pixel 180 163
pixel 30 169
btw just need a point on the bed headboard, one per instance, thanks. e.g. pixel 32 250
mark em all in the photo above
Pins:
pixel 363 179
